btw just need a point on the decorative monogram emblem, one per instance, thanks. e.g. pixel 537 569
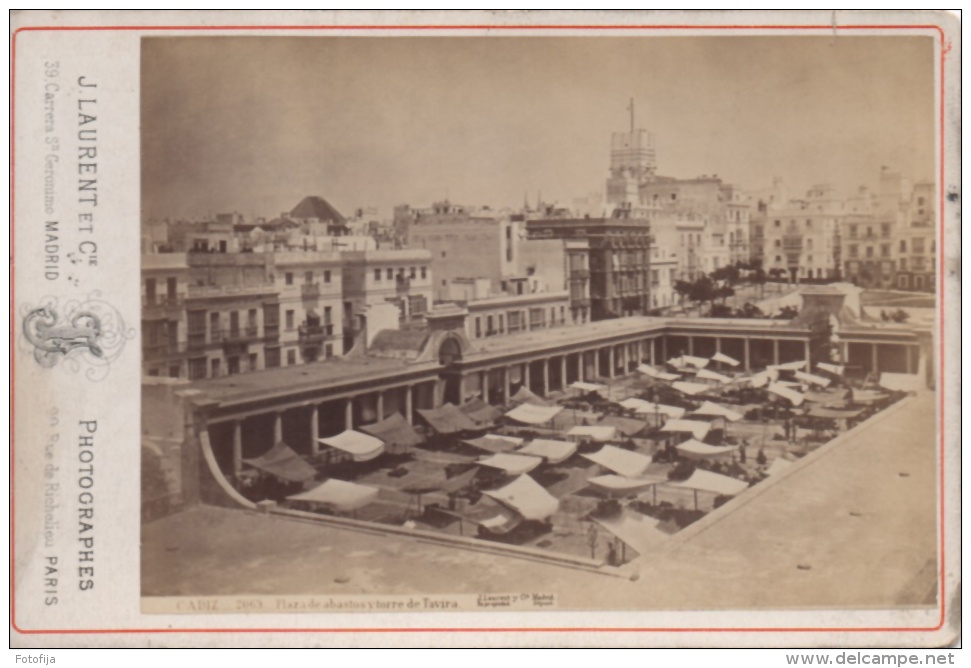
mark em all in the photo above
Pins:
pixel 86 334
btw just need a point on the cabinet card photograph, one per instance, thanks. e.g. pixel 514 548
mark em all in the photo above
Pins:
pixel 548 329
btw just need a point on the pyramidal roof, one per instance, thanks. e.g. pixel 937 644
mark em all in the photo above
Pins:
pixel 317 207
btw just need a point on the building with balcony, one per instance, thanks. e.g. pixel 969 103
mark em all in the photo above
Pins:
pixel 619 259
pixel 311 298
pixel 232 312
pixel 164 328
pixel 916 242
pixel 400 277
pixel 803 237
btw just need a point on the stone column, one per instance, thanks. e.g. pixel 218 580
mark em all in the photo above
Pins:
pixel 314 430
pixel 505 385
pixel 809 362
pixel 748 355
pixel 845 352
pixel 461 389
pixel 876 357
pixel 237 447
pixel 910 359
pixel 526 366
pixel 349 413
pixel 610 362
pixel 691 345
pixel 718 344
pixel 484 385
pixel 596 364
pixel 775 351
pixel 379 404
pixel 664 349
pixel 409 403
pixel 277 427
pixel 651 352
pixel 580 366
pixel 546 376
pixel 563 382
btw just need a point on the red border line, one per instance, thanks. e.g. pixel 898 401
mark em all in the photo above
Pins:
pixel 945 47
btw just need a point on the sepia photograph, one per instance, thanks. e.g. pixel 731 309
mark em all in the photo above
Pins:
pixel 539 323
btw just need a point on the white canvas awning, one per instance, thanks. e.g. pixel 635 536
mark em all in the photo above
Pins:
pixel 618 484
pixel 696 428
pixel 639 531
pixel 813 379
pixel 654 373
pixel 699 362
pixel 527 497
pixel 690 388
pixel 714 410
pixel 624 462
pixel 715 483
pixel 362 447
pixel 725 359
pixel 495 443
pixel 678 362
pixel 512 464
pixel 697 450
pixel 831 368
pixel 789 366
pixel 794 397
pixel 530 414
pixel 642 407
pixel 594 432
pixel 708 374
pixel 588 387
pixel 340 494
pixel 552 451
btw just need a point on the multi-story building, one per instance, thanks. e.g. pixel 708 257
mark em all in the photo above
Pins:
pixel 738 211
pixel 664 274
pixel 500 315
pixel 311 298
pixel 401 277
pixel 619 259
pixel 463 247
pixel 164 288
pixel 578 277
pixel 916 242
pixel 232 312
pixel 803 237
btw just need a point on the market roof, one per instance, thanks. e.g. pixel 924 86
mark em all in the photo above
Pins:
pixel 716 483
pixel 340 494
pixel 398 435
pixel 552 451
pixel 495 443
pixel 363 447
pixel 693 449
pixel 284 463
pixel 527 497
pixel 627 463
pixel 532 414
pixel 448 419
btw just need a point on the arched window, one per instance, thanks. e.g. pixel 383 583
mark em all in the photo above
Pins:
pixel 449 352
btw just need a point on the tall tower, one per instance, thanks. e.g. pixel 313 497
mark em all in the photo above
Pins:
pixel 632 162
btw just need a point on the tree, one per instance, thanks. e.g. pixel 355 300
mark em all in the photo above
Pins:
pixel 758 277
pixel 787 313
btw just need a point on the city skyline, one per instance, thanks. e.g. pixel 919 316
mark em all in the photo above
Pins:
pixel 483 121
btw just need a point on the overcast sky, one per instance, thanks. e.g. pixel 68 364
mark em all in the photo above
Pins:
pixel 253 124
